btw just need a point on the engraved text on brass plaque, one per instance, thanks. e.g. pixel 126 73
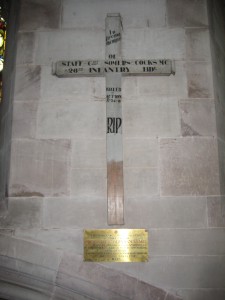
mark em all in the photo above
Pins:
pixel 116 245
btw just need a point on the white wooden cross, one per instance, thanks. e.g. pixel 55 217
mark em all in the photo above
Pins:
pixel 113 68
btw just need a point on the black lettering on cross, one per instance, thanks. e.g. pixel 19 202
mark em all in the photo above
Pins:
pixel 113 125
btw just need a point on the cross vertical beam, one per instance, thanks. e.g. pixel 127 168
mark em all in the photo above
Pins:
pixel 114 139
pixel 113 68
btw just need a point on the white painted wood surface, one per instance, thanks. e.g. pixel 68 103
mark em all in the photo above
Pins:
pixel 113 68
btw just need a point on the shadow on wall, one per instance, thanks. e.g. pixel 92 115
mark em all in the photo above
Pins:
pixel 6 106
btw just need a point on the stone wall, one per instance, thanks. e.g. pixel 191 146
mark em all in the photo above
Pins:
pixel 216 12
pixel 172 171
pixel 6 106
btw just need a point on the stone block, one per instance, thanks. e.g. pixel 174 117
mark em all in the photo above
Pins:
pixel 66 294
pixel 189 167
pixel 190 272
pixel 219 82
pixel 199 77
pixel 2 131
pixel 220 120
pixel 75 212
pixel 4 168
pixel 145 291
pixel 197 44
pixel 145 119
pixel 140 182
pixel 198 117
pixel 141 14
pixel 172 297
pixel 25 48
pixel 151 43
pixel 130 89
pixel 187 241
pixel 3 206
pixel 77 288
pixel 166 212
pixel 32 257
pixel 4 246
pixel 110 283
pixel 173 272
pixel 15 286
pixel 202 294
pixel 27 83
pixel 218 58
pixel 40 168
pixel 75 89
pixel 7 130
pixel 63 239
pixel 24 119
pixel 137 289
pixel 7 231
pixel 221 152
pixel 69 277
pixel 35 254
pixel 23 213
pixel 69 45
pixel 89 153
pixel 140 152
pixel 162 86
pixel 88 182
pixel 71 120
pixel 37 14
pixel 218 28
pixel 4 171
pixel 115 281
pixel 30 270
pixel 216 211
pixel 217 12
pixel 187 13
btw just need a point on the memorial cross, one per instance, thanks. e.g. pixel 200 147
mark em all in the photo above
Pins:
pixel 113 68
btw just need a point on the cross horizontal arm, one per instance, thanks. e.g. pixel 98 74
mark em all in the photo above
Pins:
pixel 125 67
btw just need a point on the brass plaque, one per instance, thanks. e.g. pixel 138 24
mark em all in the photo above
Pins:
pixel 116 245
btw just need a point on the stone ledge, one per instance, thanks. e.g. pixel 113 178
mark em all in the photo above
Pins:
pixel 26 271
